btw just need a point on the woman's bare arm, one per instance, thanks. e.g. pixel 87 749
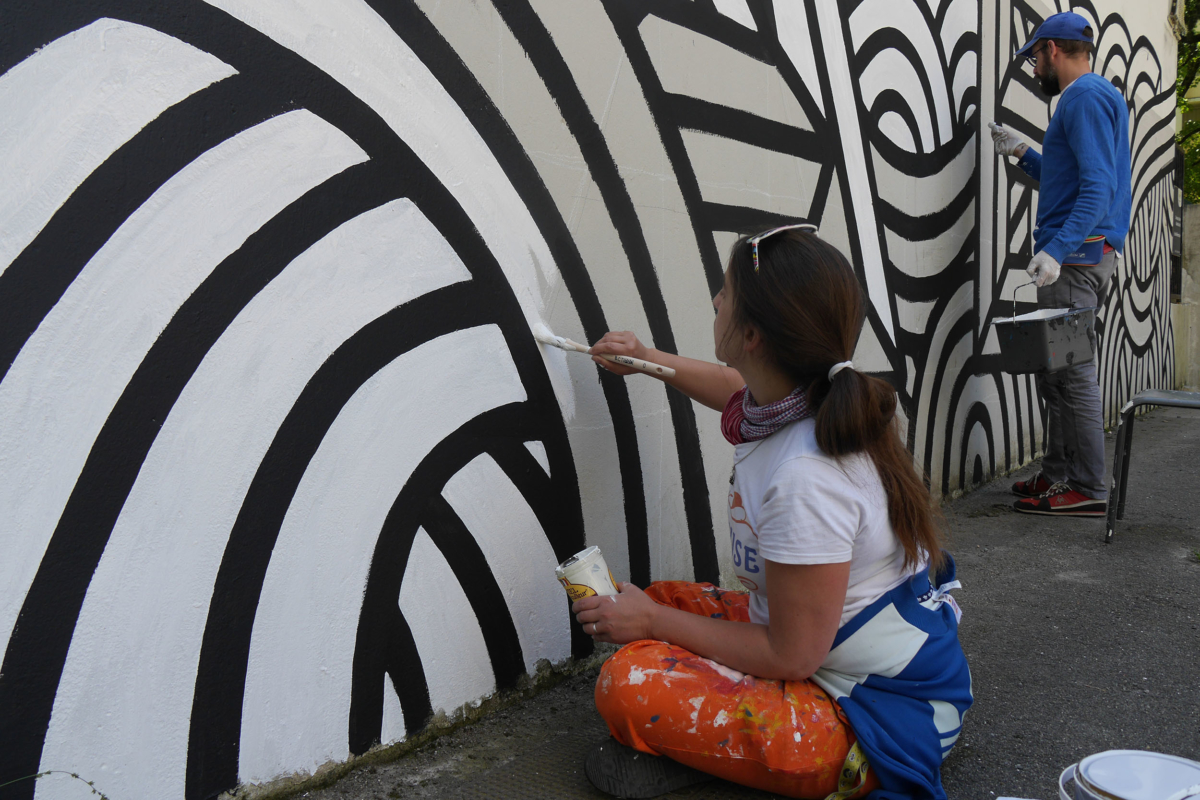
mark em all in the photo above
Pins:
pixel 806 603
pixel 705 382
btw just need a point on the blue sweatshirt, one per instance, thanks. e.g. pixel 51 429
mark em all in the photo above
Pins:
pixel 1083 169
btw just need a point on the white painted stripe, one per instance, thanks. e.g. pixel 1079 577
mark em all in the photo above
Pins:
pixel 392 729
pixel 63 384
pixel 299 678
pixel 853 144
pixel 353 45
pixel 890 69
pixel 67 107
pixel 692 64
pixel 791 20
pixel 519 554
pixel 538 451
pixel 740 174
pixel 919 196
pixel 126 693
pixel 445 629
pixel 870 16
pixel 737 11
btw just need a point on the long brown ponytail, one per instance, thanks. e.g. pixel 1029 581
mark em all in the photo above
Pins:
pixel 809 307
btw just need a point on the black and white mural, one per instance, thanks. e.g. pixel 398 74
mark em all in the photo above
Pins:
pixel 283 473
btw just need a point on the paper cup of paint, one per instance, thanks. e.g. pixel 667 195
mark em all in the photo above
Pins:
pixel 585 574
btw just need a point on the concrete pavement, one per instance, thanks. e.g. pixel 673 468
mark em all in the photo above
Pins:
pixel 1075 647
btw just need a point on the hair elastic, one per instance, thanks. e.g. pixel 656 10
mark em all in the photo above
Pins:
pixel 838 367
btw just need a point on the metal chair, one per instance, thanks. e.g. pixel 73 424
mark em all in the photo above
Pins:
pixel 1150 397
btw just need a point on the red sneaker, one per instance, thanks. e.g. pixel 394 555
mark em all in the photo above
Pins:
pixel 1034 487
pixel 1060 500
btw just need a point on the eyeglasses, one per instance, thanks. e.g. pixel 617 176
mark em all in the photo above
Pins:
pixel 754 240
pixel 1032 57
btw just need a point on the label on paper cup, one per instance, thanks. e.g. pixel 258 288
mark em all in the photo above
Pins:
pixel 585 574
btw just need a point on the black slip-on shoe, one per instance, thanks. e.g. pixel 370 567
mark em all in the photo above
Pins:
pixel 624 772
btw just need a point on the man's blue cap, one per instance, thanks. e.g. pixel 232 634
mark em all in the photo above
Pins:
pixel 1067 25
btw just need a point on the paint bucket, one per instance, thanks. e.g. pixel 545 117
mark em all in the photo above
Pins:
pixel 1046 340
pixel 1131 775
pixel 586 574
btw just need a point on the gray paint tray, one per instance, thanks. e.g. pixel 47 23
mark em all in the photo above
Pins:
pixel 1047 340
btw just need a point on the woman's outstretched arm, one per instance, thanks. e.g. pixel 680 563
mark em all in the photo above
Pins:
pixel 705 382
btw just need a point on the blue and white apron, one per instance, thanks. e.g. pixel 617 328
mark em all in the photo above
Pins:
pixel 901 678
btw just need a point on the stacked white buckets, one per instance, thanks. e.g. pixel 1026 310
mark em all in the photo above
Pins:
pixel 1131 775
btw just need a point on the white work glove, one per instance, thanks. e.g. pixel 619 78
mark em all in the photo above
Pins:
pixel 1043 269
pixel 1006 142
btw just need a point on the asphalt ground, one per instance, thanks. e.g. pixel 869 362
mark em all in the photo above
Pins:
pixel 1075 647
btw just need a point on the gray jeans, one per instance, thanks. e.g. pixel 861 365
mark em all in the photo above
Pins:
pixel 1075 424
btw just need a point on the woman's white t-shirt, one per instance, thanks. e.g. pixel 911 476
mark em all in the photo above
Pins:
pixel 791 503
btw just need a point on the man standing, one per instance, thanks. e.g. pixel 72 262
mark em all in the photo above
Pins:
pixel 1082 218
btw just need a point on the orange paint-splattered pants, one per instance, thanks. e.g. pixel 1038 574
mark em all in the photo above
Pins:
pixel 787 737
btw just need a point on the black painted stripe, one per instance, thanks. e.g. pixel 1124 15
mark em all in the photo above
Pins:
pixel 892 39
pixel 38 647
pixel 471 569
pixel 917 165
pixel 425 40
pixel 42 272
pixel 742 219
pixel 693 113
pixel 625 18
pixel 529 30
pixel 704 21
pixel 375 648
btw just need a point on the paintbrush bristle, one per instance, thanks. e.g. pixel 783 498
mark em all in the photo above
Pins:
pixel 546 336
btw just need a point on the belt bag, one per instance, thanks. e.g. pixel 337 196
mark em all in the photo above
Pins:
pixel 1088 254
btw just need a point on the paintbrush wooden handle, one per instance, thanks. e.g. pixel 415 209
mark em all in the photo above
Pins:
pixel 649 367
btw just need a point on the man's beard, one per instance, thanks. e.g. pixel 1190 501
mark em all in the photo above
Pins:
pixel 1049 83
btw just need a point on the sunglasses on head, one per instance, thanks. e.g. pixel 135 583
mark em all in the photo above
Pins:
pixel 754 240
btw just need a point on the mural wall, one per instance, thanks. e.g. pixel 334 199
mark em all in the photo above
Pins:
pixel 283 473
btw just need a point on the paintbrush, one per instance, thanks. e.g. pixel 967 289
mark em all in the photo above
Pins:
pixel 546 336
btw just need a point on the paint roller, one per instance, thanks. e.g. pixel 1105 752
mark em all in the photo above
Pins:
pixel 546 336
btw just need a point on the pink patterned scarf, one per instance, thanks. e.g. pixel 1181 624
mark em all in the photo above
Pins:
pixel 744 420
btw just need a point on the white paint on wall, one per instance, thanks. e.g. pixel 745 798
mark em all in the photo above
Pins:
pixel 920 196
pixel 858 183
pixel 538 451
pixel 391 730
pixel 350 42
pixel 690 63
pixel 301 657
pixel 520 555
pixel 70 105
pixel 888 69
pixel 960 304
pixel 481 39
pixel 791 22
pixel 445 629
pixel 928 257
pixel 737 11
pixel 124 702
pixel 63 384
pixel 740 174
pixel 981 389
